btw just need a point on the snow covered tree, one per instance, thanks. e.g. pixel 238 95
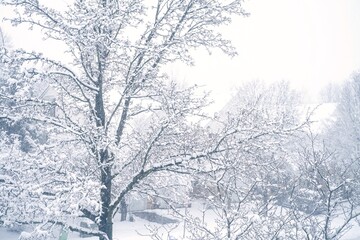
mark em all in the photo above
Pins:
pixel 346 126
pixel 325 200
pixel 109 79
pixel 24 132
pixel 329 170
pixel 247 185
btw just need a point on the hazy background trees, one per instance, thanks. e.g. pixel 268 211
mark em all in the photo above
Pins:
pixel 246 186
pixel 282 177
pixel 344 131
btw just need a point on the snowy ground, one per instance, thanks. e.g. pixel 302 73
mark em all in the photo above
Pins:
pixel 140 229
pixel 122 230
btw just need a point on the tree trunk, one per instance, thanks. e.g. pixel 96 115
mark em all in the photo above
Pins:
pixel 123 210
pixel 106 217
pixel 106 226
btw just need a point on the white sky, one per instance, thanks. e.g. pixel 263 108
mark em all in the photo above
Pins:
pixel 307 42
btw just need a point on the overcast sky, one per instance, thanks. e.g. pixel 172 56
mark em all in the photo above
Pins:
pixel 307 42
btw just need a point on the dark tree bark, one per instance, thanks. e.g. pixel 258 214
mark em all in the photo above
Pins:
pixel 106 215
pixel 123 210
